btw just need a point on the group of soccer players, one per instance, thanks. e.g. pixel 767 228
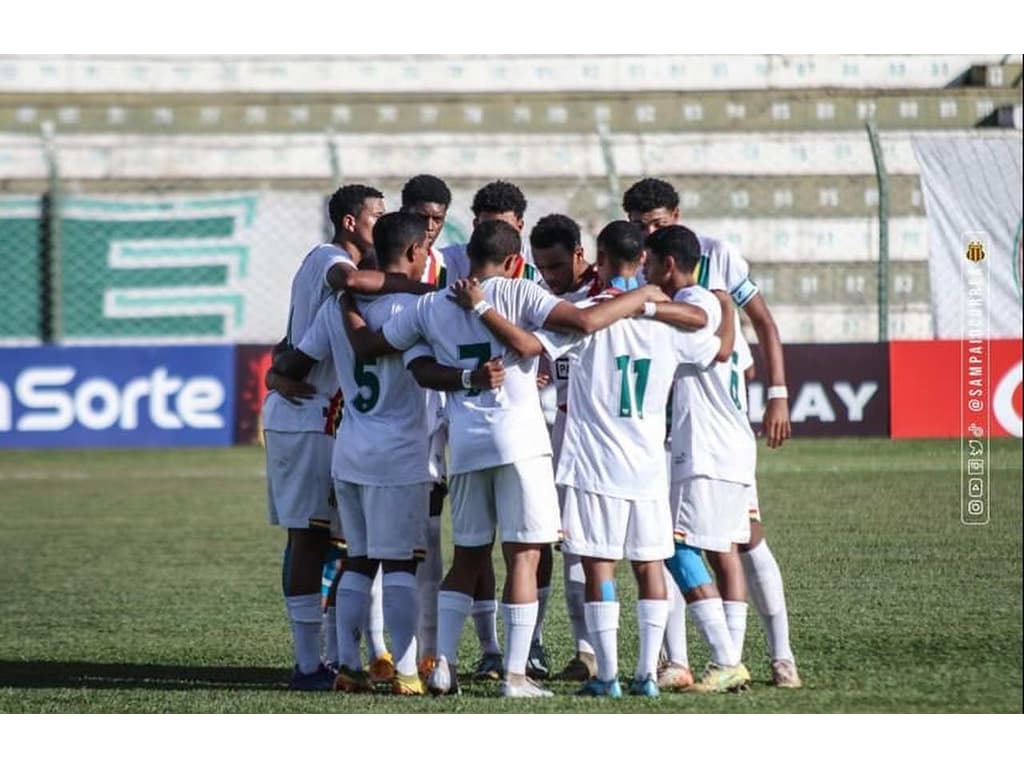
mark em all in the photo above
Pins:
pixel 408 373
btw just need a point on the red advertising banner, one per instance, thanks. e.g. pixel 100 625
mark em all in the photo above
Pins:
pixel 939 388
pixel 251 364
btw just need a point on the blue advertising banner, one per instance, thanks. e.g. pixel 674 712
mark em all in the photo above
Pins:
pixel 71 397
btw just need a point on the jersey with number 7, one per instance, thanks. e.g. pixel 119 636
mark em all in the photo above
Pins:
pixel 619 383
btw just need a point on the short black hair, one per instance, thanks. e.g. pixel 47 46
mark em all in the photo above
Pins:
pixel 492 242
pixel 425 189
pixel 555 229
pixel 678 242
pixel 497 197
pixel 649 194
pixel 349 201
pixel 394 233
pixel 622 241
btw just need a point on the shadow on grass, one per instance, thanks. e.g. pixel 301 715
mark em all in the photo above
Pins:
pixel 89 674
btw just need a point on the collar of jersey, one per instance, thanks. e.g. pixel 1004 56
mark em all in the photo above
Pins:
pixel 623 283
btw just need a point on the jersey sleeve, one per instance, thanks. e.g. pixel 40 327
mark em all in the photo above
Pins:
pixel 534 304
pixel 416 351
pixel 330 261
pixel 734 275
pixel 695 347
pixel 316 342
pixel 405 329
pixel 558 345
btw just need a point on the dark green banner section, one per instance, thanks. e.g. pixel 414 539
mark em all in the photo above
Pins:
pixel 19 268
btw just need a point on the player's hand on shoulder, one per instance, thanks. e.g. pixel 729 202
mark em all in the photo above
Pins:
pixel 466 292
pixel 653 293
pixel 490 375
pixel 292 391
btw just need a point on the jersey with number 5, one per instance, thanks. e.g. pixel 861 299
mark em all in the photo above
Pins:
pixel 619 382
pixel 492 427
pixel 383 439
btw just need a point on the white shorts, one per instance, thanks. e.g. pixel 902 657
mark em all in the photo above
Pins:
pixel 753 506
pixel 613 529
pixel 519 499
pixel 711 514
pixel 299 490
pixel 384 522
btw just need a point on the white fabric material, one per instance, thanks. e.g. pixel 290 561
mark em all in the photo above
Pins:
pixel 711 436
pixel 560 368
pixel 736 620
pixel 299 478
pixel 452 609
pixel 520 620
pixel 543 593
pixel 764 580
pixel 620 382
pixel 518 499
pixel 309 291
pixel 710 514
pixel 709 618
pixel 401 608
pixel 493 427
pixel 428 576
pixel 384 522
pixel 457 260
pixel 385 418
pixel 304 615
pixel 603 628
pixel 611 528
pixel 575 597
pixel 485 621
pixel 374 627
pixel 675 624
pixel 329 631
pixel 352 610
pixel 651 616
pixel 972 190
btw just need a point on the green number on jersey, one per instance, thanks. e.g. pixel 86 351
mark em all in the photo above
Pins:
pixel 641 368
pixel 479 352
pixel 734 379
pixel 369 380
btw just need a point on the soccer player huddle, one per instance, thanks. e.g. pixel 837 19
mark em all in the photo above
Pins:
pixel 409 373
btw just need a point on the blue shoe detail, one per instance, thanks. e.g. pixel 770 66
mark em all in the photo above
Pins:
pixel 606 688
pixel 646 687
pixel 320 680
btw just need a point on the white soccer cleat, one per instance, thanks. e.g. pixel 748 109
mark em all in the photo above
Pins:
pixel 525 690
pixel 442 681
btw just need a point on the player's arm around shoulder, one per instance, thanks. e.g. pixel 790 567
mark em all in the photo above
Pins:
pixel 366 343
pixel 343 276
pixel 727 327
pixel 469 295
pixel 568 318
pixel 430 374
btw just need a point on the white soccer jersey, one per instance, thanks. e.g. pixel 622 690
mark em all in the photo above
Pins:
pixel 436 274
pixel 492 427
pixel 383 438
pixel 711 436
pixel 309 291
pixel 620 382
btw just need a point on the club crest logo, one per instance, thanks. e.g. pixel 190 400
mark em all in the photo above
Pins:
pixel 975 251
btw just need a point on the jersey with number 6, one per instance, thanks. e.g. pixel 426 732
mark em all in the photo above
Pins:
pixel 383 439
pixel 711 436
pixel 620 381
pixel 492 427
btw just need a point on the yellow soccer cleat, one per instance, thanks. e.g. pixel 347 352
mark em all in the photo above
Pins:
pixel 784 674
pixel 407 685
pixel 718 679
pixel 382 670
pixel 352 681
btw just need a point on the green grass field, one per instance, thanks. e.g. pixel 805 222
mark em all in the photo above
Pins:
pixel 148 581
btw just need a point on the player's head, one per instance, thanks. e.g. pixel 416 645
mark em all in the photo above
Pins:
pixel 499 200
pixel 400 243
pixel 558 252
pixel 354 209
pixel 494 248
pixel 429 197
pixel 672 255
pixel 620 250
pixel 651 204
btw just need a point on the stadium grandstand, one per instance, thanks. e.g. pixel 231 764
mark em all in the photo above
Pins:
pixel 170 198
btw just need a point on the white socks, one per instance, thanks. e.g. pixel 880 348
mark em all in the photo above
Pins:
pixel 306 616
pixel 485 619
pixel 520 620
pixel 764 581
pixel 401 610
pixel 375 645
pixel 329 629
pixel 542 606
pixel 575 597
pixel 736 620
pixel 603 628
pixel 428 578
pixel 651 616
pixel 709 617
pixel 352 607
pixel 452 609
pixel 675 626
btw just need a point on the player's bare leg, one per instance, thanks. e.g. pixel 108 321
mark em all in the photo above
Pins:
pixel 764 580
pixel 490 665
pixel 301 575
pixel 519 611
pixel 732 585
